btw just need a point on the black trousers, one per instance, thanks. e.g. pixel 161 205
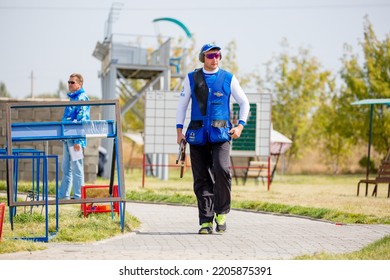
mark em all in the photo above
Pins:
pixel 212 179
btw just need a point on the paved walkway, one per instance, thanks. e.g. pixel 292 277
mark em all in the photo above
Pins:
pixel 170 232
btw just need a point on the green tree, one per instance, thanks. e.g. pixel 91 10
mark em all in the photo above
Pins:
pixel 332 136
pixel 299 86
pixel 62 90
pixel 3 90
pixel 229 63
pixel 369 81
pixel 229 58
pixel 46 95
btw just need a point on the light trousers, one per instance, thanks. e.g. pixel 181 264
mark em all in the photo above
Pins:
pixel 72 175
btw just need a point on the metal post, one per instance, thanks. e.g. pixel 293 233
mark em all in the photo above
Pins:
pixel 369 141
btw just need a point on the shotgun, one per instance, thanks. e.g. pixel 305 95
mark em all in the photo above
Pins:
pixel 181 156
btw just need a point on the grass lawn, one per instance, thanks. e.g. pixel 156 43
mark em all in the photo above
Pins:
pixel 331 198
pixel 335 194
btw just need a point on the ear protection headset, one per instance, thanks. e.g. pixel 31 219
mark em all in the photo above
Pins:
pixel 201 56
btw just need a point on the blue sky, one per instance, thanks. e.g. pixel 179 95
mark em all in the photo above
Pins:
pixel 56 38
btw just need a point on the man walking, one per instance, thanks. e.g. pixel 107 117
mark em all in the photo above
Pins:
pixel 209 134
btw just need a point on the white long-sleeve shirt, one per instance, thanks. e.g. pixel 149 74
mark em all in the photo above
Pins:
pixel 236 91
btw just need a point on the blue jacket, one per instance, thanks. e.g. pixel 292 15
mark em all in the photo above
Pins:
pixel 210 111
pixel 77 113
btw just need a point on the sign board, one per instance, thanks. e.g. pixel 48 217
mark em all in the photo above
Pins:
pixel 160 124
pixel 255 139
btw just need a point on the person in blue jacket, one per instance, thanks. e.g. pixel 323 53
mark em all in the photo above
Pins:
pixel 73 168
pixel 209 134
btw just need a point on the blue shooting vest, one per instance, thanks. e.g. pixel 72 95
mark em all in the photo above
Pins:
pixel 210 108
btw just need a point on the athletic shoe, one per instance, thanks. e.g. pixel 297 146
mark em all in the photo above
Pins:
pixel 206 228
pixel 220 219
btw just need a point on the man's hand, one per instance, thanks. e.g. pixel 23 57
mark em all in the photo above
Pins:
pixel 77 147
pixel 235 132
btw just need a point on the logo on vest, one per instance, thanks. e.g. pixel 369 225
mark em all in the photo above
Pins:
pixel 218 94
pixel 191 137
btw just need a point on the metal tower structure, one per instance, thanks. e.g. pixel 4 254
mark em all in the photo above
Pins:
pixel 132 65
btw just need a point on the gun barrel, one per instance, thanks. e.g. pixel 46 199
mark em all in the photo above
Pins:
pixel 180 152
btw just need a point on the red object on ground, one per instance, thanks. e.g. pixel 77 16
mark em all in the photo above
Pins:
pixel 2 211
pixel 90 208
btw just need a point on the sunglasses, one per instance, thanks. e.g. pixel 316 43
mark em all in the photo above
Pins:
pixel 71 82
pixel 213 55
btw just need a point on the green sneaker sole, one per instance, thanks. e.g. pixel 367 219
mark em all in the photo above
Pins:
pixel 206 228
pixel 220 228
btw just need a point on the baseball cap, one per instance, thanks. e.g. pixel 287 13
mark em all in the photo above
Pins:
pixel 208 47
